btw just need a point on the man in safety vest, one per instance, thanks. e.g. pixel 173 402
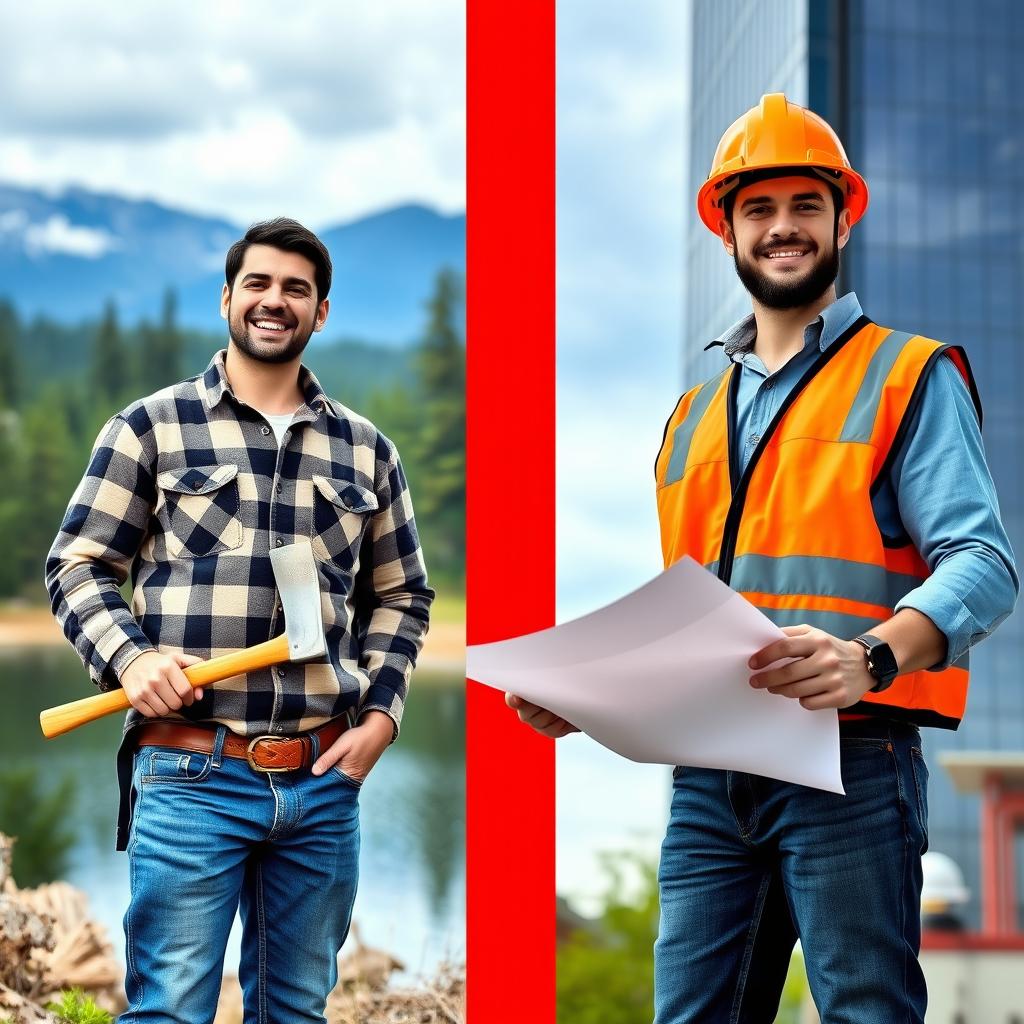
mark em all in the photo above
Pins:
pixel 834 475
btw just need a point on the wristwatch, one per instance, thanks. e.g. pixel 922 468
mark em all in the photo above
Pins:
pixel 881 661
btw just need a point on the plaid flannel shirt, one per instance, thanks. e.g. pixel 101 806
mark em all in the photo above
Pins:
pixel 187 489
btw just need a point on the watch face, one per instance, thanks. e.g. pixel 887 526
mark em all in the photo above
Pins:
pixel 881 663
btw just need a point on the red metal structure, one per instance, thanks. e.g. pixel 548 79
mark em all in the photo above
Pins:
pixel 998 777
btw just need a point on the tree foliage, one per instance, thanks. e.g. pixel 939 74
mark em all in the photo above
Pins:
pixel 427 422
pixel 10 384
pixel 59 384
pixel 109 371
pixel 607 974
pixel 40 821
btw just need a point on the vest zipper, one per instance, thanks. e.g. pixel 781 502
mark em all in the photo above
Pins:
pixel 741 485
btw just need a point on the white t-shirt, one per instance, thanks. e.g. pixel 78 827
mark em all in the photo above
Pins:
pixel 280 422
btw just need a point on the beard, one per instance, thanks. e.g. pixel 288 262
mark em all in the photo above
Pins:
pixel 788 293
pixel 267 351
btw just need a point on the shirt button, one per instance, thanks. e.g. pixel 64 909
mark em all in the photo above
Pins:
pixel 197 485
pixel 264 431
pixel 280 673
pixel 278 728
pixel 769 384
pixel 279 542
pixel 278 487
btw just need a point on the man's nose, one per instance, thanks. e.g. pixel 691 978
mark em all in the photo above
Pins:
pixel 784 225
pixel 273 296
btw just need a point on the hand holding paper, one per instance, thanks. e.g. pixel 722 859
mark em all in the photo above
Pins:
pixel 545 722
pixel 661 676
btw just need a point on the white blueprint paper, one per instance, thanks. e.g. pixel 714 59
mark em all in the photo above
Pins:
pixel 661 676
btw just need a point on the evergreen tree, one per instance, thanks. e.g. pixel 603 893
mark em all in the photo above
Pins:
pixel 10 391
pixel 441 445
pixel 168 344
pixel 145 350
pixel 50 475
pixel 110 377
pixel 11 501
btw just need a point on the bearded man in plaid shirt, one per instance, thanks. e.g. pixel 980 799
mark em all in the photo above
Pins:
pixel 188 490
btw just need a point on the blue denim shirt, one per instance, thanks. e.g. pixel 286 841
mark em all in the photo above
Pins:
pixel 939 491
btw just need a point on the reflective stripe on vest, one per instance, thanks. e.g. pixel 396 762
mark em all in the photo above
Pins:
pixel 795 533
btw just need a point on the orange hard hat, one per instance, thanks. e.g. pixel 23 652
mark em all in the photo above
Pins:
pixel 777 133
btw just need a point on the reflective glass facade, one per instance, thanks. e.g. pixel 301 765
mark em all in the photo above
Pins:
pixel 929 100
pixel 739 52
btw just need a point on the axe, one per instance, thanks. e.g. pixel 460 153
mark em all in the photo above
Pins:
pixel 303 640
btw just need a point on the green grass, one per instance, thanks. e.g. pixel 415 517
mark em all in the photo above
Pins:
pixel 75 1007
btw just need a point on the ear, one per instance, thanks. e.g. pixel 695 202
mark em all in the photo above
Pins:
pixel 843 233
pixel 321 314
pixel 225 301
pixel 728 238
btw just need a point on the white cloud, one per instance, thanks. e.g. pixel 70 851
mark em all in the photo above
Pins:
pixel 57 234
pixel 326 110
pixel 621 213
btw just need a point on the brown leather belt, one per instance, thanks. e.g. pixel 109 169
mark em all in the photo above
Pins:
pixel 267 753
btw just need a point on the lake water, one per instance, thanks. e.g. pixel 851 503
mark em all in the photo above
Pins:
pixel 411 898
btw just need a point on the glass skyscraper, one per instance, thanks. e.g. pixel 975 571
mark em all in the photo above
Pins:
pixel 928 98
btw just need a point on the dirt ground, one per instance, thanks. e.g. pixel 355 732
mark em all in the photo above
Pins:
pixel 444 650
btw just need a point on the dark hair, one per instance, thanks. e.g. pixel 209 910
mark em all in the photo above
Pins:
pixel 289 236
pixel 729 199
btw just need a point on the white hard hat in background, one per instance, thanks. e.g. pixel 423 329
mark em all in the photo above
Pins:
pixel 943 883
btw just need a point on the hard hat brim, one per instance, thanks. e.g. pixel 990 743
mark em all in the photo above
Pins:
pixel 711 192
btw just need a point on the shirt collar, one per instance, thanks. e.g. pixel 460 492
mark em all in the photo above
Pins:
pixel 216 385
pixel 830 323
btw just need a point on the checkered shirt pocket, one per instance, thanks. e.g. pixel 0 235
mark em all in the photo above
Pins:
pixel 198 509
pixel 341 511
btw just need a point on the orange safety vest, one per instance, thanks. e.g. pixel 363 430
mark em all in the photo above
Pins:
pixel 795 533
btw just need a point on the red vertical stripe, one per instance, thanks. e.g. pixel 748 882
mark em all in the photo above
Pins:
pixel 510 535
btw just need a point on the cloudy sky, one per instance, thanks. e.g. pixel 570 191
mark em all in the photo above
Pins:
pixel 232 108
pixel 622 202
pixel 621 106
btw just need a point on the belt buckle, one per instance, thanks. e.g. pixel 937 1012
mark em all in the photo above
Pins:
pixel 258 767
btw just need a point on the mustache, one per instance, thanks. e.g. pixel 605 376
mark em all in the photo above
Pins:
pixel 266 314
pixel 764 250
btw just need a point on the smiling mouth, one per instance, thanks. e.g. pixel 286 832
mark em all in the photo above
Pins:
pixel 785 254
pixel 273 326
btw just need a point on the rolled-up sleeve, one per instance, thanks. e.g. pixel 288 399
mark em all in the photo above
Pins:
pixel 392 594
pixel 103 529
pixel 948 506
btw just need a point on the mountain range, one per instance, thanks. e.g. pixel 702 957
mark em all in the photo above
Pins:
pixel 64 255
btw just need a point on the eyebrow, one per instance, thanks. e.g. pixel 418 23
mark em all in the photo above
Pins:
pixel 288 281
pixel 798 198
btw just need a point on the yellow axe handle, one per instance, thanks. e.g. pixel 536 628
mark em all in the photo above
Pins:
pixel 59 720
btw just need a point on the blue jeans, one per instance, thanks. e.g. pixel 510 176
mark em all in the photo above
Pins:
pixel 749 863
pixel 208 833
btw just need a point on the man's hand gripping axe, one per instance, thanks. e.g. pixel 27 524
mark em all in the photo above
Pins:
pixel 303 640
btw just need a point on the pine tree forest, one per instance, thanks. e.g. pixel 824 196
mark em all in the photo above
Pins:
pixel 59 384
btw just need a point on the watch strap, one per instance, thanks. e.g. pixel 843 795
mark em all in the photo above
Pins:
pixel 880 660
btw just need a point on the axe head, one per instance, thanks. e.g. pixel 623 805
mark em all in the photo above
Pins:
pixel 299 586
